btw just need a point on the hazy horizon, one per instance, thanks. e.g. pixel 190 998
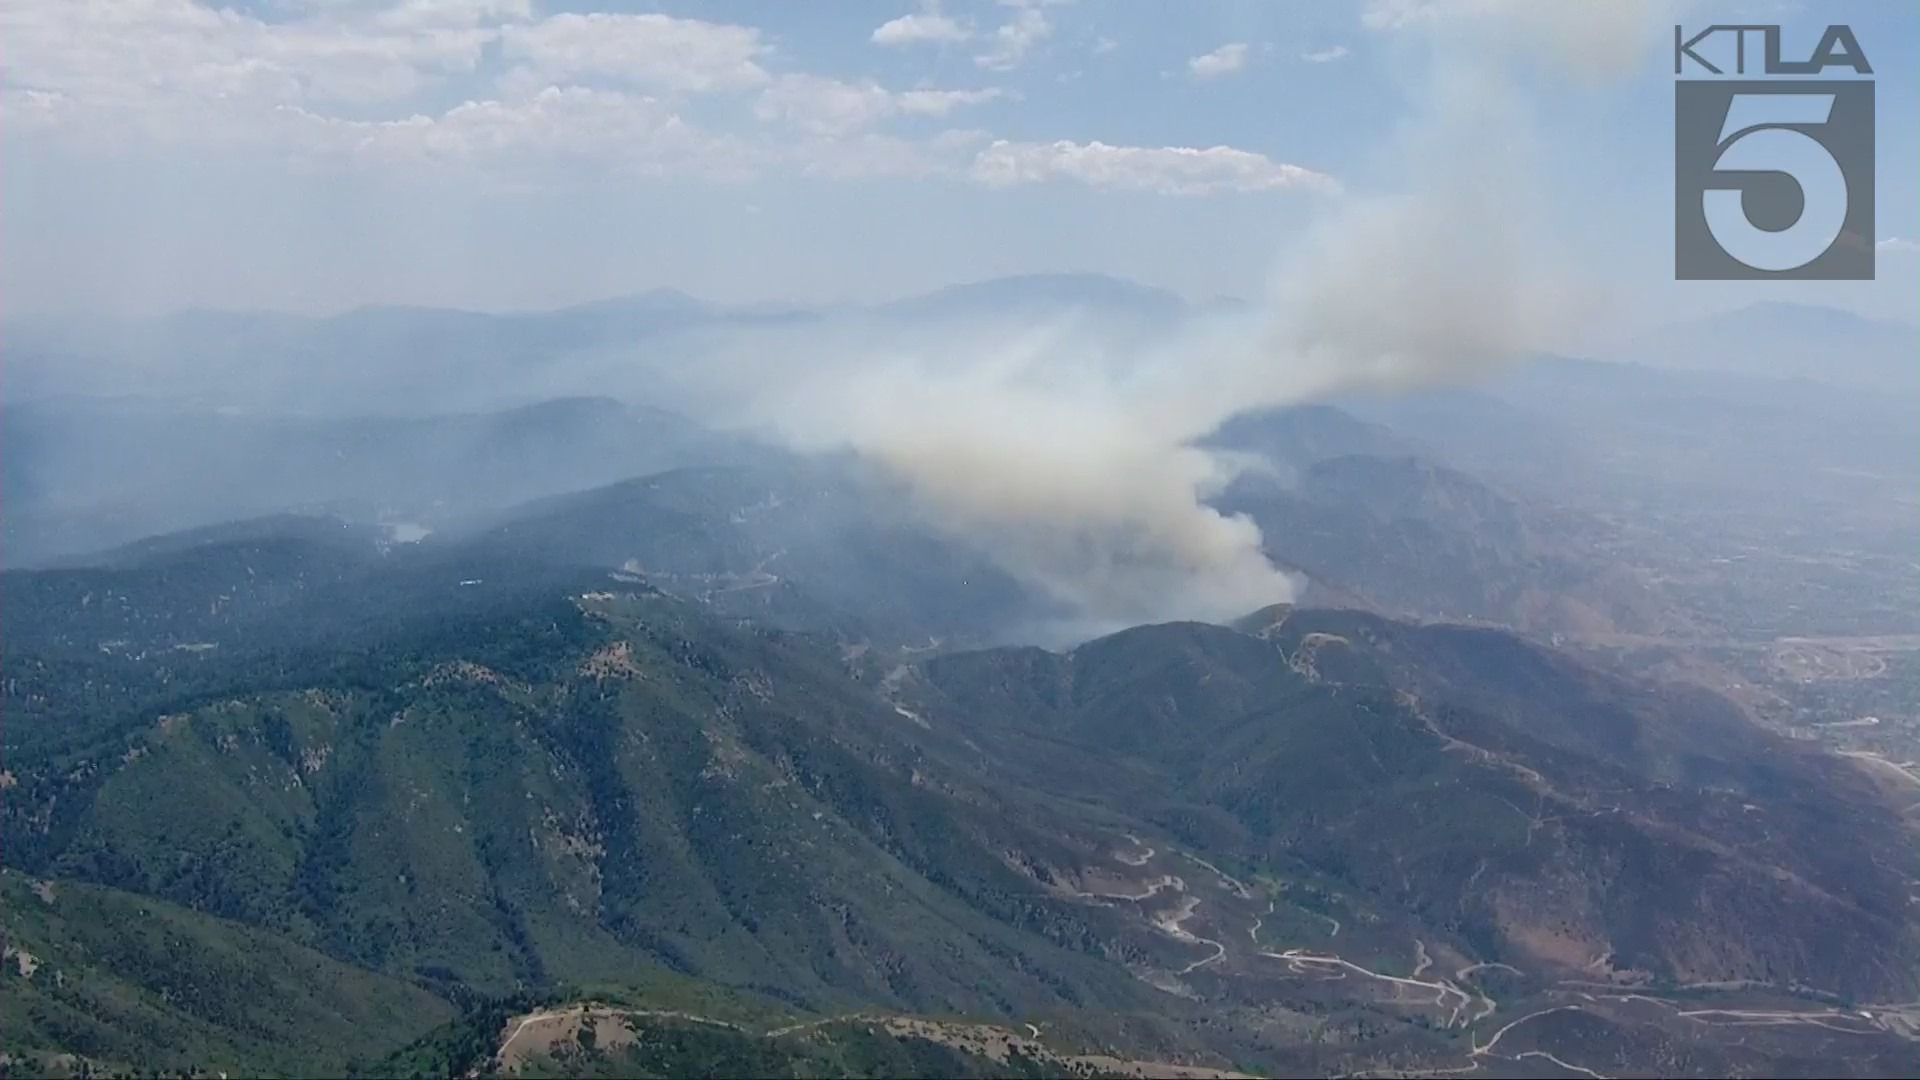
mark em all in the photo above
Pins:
pixel 1475 183
pixel 316 156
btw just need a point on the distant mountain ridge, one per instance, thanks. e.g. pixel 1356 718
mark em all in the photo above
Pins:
pixel 647 312
pixel 83 474
pixel 1776 339
pixel 396 359
pixel 1028 293
pixel 1371 522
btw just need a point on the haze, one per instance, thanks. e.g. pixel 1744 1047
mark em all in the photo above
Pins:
pixel 1364 181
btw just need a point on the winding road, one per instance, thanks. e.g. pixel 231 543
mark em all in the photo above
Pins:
pixel 1442 991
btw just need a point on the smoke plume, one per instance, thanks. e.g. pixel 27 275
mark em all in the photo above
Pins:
pixel 1068 452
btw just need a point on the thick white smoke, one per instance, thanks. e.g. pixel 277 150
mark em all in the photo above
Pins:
pixel 1067 453
pixel 1072 470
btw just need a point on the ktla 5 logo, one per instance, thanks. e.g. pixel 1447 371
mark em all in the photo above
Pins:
pixel 1773 177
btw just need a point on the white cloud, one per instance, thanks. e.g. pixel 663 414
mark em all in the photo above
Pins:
pixel 1104 45
pixel 141 55
pixel 643 50
pixel 919 28
pixel 1325 56
pixel 403 14
pixel 1224 60
pixel 418 13
pixel 1016 37
pixel 343 81
pixel 548 136
pixel 549 99
pixel 823 106
pixel 942 102
pixel 1171 170
pixel 1897 244
pixel 562 133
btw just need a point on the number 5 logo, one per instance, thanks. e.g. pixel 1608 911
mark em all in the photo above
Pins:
pixel 1773 179
pixel 1763 134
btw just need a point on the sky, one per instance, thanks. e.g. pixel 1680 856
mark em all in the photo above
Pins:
pixel 317 155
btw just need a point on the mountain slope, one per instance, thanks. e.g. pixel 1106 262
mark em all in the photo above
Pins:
pixel 1411 538
pixel 1494 790
pixel 118 978
pixel 1786 340
pixel 597 1038
pixel 822 546
pixel 606 782
pixel 483 778
pixel 84 475
pixel 1761 507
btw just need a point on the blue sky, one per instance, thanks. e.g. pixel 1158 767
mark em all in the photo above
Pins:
pixel 319 154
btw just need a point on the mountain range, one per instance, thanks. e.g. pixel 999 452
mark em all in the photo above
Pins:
pixel 1776 339
pixel 445 775
pixel 571 736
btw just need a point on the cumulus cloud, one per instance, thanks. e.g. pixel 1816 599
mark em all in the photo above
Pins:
pixel 942 102
pixel 923 27
pixel 417 13
pixel 548 136
pixel 646 50
pixel 1014 39
pixel 342 83
pixel 1173 170
pixel 1325 56
pixel 824 106
pixel 1897 245
pixel 1224 60
pixel 359 83
pixel 136 55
